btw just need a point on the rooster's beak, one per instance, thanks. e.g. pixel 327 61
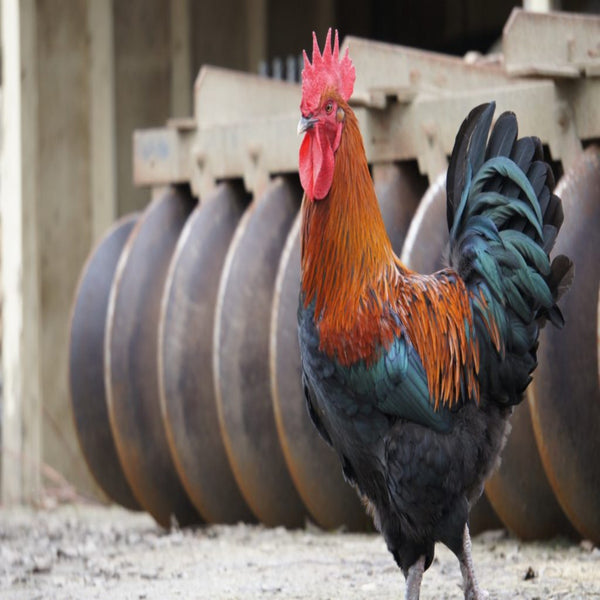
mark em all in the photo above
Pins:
pixel 306 123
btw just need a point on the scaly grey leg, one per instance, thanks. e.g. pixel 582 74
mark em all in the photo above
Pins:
pixel 413 579
pixel 470 585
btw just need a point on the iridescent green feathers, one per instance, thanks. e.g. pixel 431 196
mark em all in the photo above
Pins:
pixel 503 220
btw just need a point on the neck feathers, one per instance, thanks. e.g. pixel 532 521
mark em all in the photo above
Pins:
pixel 364 297
pixel 347 258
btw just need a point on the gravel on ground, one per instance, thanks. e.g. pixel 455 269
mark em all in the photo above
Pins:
pixel 87 551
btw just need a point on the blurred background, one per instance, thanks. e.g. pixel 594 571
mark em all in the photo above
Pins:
pixel 78 78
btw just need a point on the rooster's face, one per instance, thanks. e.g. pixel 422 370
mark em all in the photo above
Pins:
pixel 322 133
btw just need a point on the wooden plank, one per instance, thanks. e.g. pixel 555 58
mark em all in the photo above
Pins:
pixel 400 72
pixel 225 145
pixel 21 406
pixel 556 44
pixel 223 96
pixel 161 156
pixel 181 59
pixel 103 141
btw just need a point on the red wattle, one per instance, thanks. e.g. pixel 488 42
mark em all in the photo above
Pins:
pixel 316 164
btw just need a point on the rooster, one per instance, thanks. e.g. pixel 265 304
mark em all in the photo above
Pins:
pixel 412 378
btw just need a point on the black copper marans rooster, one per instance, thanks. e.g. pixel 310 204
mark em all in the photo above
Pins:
pixel 411 378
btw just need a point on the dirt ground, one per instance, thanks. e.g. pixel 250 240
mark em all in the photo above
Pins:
pixel 82 551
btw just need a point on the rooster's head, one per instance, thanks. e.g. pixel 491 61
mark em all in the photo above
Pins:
pixel 327 85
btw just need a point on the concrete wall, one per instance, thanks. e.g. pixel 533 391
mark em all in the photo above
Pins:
pixel 64 210
pixel 79 77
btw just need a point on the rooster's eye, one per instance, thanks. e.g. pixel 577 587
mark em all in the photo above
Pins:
pixel 329 107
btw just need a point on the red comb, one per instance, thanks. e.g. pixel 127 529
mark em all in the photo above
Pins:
pixel 326 71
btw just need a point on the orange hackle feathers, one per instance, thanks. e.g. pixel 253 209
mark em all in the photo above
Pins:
pixel 364 296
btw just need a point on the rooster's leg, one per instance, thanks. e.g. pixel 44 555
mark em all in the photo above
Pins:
pixel 470 585
pixel 413 579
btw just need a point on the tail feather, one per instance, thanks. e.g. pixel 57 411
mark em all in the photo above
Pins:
pixel 480 116
pixel 522 156
pixel 502 139
pixel 553 220
pixel 503 220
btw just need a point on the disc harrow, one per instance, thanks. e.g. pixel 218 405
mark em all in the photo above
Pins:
pixel 187 391
pixel 184 361
pixel 131 360
pixel 86 365
pixel 241 356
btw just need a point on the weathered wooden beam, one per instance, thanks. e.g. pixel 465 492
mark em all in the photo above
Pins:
pixel 555 44
pixel 103 135
pixel 181 59
pixel 223 96
pixel 423 129
pixel 65 212
pixel 410 104
pixel 22 388
pixel 387 72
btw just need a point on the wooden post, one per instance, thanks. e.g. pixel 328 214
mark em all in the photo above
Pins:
pixel 143 86
pixel 65 213
pixel 256 11
pixel 21 405
pixel 181 59
pixel 58 195
pixel 103 145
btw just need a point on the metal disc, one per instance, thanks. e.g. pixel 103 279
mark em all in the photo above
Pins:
pixel 314 467
pixel 185 357
pixel 427 236
pixel 566 410
pixel 241 357
pixel 483 517
pixel 86 365
pixel 519 490
pixel 131 360
pixel 399 188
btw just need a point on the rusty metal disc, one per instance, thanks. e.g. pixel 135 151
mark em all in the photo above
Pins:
pixel 131 370
pixel 315 469
pixel 185 357
pixel 399 188
pixel 566 409
pixel 241 357
pixel 519 490
pixel 483 517
pixel 427 236
pixel 86 365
